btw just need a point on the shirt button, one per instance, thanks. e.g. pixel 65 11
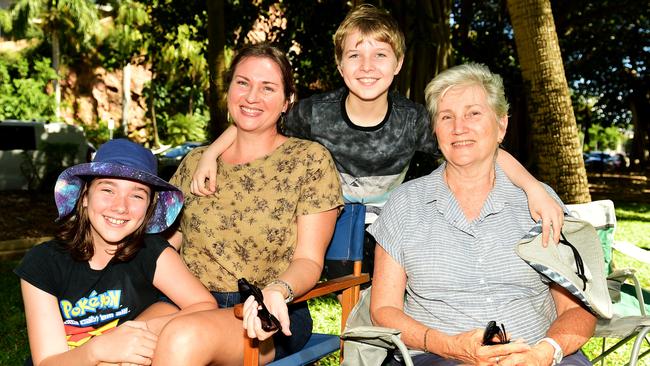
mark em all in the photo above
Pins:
pixel 480 260
pixel 482 281
pixel 489 299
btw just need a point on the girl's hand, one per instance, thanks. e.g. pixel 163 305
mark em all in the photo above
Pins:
pixel 130 343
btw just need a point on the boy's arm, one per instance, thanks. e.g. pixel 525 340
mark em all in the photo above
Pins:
pixel 207 167
pixel 542 205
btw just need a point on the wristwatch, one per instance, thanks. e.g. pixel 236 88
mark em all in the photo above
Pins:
pixel 557 353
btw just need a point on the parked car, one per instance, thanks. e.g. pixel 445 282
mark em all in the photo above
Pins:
pixel 170 159
pixel 24 149
pixel 598 161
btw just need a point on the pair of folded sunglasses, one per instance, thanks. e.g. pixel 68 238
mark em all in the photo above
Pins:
pixel 495 334
pixel 269 321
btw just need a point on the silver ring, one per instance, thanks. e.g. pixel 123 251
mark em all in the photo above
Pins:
pixel 498 360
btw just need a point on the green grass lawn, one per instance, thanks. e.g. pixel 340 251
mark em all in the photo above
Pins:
pixel 633 226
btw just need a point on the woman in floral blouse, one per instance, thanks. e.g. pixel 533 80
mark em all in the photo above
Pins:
pixel 269 221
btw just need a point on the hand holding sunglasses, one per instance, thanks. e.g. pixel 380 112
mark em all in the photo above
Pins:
pixel 494 331
pixel 269 322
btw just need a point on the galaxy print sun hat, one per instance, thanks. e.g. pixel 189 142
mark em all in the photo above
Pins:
pixel 121 158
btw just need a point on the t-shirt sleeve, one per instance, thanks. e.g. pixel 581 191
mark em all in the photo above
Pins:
pixel 297 120
pixel 152 249
pixel 39 268
pixel 320 189
pixel 182 178
pixel 388 229
pixel 425 139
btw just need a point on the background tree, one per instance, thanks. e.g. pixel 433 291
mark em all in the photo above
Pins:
pixel 74 22
pixel 555 133
pixel 428 43
pixel 127 45
pixel 605 46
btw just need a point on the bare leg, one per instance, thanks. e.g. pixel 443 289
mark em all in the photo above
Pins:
pixel 158 309
pixel 213 337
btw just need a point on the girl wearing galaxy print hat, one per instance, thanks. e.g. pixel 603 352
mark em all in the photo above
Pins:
pixel 91 294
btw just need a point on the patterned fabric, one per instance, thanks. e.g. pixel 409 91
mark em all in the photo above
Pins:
pixel 248 228
pixel 461 274
pixel 372 161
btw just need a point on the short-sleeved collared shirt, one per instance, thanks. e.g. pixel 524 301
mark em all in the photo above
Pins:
pixel 461 274
pixel 248 228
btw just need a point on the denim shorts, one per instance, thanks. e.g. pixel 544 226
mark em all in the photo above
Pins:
pixel 299 316
pixel 430 359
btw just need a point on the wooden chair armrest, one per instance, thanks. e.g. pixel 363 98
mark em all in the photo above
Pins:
pixel 321 288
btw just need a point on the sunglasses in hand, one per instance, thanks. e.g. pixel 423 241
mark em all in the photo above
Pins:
pixel 495 334
pixel 269 321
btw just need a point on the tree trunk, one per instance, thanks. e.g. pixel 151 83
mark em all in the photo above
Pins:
pixel 126 97
pixel 428 43
pixel 152 102
pixel 56 57
pixel 554 130
pixel 217 68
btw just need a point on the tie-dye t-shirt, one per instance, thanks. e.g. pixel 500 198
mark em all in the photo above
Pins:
pixel 371 161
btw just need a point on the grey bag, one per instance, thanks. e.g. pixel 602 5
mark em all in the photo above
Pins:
pixel 365 344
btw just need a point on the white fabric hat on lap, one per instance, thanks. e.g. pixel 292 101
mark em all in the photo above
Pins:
pixel 580 271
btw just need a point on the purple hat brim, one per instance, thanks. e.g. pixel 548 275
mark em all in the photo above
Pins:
pixel 68 188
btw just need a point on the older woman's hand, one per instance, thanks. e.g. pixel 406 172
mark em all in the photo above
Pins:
pixel 543 206
pixel 468 348
pixel 531 357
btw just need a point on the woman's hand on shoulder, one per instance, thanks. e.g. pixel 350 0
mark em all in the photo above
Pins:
pixel 129 343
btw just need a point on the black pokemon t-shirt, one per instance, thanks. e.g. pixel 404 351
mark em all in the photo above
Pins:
pixel 92 302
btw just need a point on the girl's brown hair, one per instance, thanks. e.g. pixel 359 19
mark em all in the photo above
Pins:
pixel 76 235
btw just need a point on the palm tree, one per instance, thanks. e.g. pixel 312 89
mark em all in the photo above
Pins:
pixel 554 130
pixel 128 43
pixel 73 21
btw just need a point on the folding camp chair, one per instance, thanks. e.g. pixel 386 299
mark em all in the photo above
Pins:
pixel 347 244
pixel 631 303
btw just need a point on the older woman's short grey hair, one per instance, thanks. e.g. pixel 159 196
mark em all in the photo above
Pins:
pixel 467 75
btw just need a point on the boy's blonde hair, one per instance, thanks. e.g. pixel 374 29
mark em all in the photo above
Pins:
pixel 370 22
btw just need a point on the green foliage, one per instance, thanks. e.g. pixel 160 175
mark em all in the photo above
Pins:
pixel 186 127
pixel 23 82
pixel 600 139
pixel 127 39
pixel 75 22
pixel 98 134
pixel 5 22
pixel 14 348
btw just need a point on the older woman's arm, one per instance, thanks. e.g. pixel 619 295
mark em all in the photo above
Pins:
pixel 542 205
pixel 571 329
pixel 314 234
pixel 387 310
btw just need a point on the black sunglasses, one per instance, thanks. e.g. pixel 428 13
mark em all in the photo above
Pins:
pixel 580 267
pixel 492 331
pixel 268 320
